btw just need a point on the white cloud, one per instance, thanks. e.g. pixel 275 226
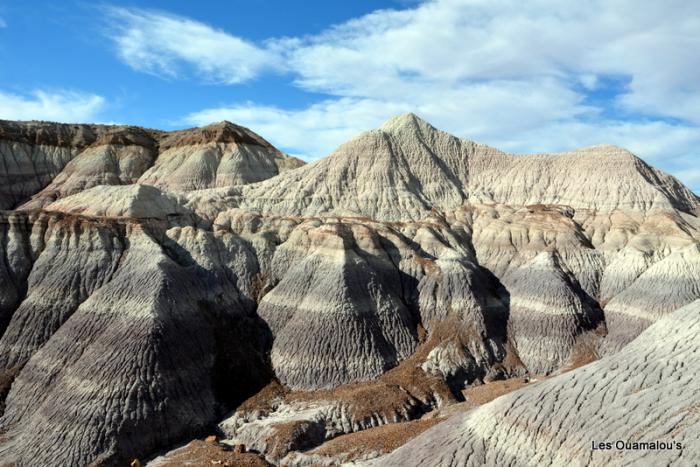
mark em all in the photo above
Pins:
pixel 61 106
pixel 523 76
pixel 448 43
pixel 3 24
pixel 311 132
pixel 468 110
pixel 589 81
pixel 169 45
pixel 689 176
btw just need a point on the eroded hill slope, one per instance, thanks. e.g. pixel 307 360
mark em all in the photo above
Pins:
pixel 156 280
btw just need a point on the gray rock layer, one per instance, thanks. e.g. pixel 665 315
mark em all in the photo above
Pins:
pixel 645 393
pixel 151 356
pixel 406 168
pixel 157 279
pixel 337 314
pixel 546 325
pixel 48 161
pixel 77 258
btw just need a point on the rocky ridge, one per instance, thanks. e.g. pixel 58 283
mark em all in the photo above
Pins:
pixel 407 168
pixel 48 161
pixel 643 394
pixel 370 288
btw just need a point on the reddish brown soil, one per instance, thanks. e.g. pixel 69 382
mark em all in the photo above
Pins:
pixel 398 387
pixel 384 438
pixel 264 399
pixel 402 394
pixel 395 392
pixel 585 351
pixel 387 438
pixel 479 395
pixel 223 132
pixel 202 453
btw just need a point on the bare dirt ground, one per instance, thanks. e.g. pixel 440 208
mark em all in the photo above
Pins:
pixel 207 453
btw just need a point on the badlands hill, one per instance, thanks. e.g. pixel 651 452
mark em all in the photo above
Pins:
pixel 160 286
pixel 648 388
pixel 48 161
pixel 407 168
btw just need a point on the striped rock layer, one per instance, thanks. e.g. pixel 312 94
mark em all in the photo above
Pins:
pixel 644 394
pixel 151 281
pixel 42 162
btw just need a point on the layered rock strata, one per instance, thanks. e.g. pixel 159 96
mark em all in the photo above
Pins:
pixel 152 281
pixel 646 394
pixel 48 161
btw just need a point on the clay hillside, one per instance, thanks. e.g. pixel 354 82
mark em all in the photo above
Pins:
pixel 411 299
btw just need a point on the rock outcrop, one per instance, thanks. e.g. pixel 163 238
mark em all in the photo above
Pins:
pixel 74 258
pixel 545 327
pixel 337 313
pixel 219 155
pixel 131 201
pixel 407 168
pixel 48 161
pixel 119 157
pixel 150 282
pixel 665 286
pixel 34 153
pixel 646 393
pixel 146 340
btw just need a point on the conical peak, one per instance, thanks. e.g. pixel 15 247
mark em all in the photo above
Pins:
pixel 224 125
pixel 406 121
pixel 379 140
pixel 404 117
pixel 606 148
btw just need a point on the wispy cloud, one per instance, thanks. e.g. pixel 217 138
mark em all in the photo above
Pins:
pixel 168 45
pixel 450 44
pixel 316 130
pixel 3 24
pixel 467 110
pixel 61 106
pixel 330 122
pixel 524 76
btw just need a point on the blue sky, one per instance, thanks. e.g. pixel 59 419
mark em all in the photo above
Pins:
pixel 525 77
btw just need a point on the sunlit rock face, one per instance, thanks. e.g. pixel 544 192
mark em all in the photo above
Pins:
pixel 647 392
pixel 219 155
pixel 49 161
pixel 152 281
